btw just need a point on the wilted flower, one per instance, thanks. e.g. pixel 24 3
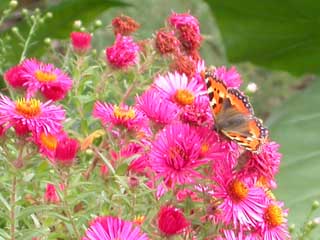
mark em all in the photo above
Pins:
pixel 124 25
pixel 166 42
pixel 124 52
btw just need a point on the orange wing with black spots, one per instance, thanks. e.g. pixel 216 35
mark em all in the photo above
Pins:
pixel 217 91
pixel 234 116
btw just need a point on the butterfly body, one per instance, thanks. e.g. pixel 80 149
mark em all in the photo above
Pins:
pixel 234 116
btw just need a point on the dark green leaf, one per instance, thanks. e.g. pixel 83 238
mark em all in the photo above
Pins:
pixel 296 127
pixel 275 34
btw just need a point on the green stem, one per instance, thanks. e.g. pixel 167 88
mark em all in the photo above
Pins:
pixel 13 206
pixel 27 42
pixel 67 207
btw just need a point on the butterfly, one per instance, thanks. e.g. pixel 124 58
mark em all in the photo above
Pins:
pixel 233 115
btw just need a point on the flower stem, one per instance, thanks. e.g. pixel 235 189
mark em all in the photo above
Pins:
pixel 67 208
pixel 27 42
pixel 13 207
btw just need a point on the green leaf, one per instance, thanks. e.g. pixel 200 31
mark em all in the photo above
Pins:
pixel 60 26
pixel 274 34
pixel 296 127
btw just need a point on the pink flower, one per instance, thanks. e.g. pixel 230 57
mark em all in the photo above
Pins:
pixel 178 89
pixel 14 77
pixel 122 116
pixel 111 228
pixel 274 225
pixel 52 82
pixel 175 154
pixel 171 221
pixel 31 115
pixel 156 108
pixel 124 52
pixel 188 30
pixel 237 235
pixel 81 41
pixel 51 195
pixel 242 204
pixel 198 113
pixel 230 77
pixel 47 143
pixel 265 164
pixel 66 151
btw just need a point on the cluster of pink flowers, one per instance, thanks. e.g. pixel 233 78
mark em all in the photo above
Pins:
pixel 30 116
pixel 166 136
pixel 179 152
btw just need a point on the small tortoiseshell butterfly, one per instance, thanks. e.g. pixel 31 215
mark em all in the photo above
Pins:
pixel 233 114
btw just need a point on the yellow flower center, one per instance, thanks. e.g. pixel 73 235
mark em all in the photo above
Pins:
pixel 139 219
pixel 273 216
pixel 45 76
pixel 49 141
pixel 28 108
pixel 184 97
pixel 124 114
pixel 238 190
pixel 204 148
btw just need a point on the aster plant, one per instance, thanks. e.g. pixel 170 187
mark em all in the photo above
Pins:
pixel 123 145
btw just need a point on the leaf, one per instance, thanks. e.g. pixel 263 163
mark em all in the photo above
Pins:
pixel 296 127
pixel 60 26
pixel 89 139
pixel 273 34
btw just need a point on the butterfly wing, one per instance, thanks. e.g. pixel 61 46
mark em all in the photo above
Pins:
pixel 233 115
pixel 217 92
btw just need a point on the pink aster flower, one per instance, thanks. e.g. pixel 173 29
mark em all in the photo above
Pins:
pixel 230 77
pixel 124 52
pixel 274 225
pixel 66 151
pixel 156 108
pixel 81 41
pixel 178 89
pixel 110 228
pixel 175 154
pixel 52 82
pixel 264 164
pixel 171 221
pixel 242 204
pixel 179 20
pixel 14 77
pixel 237 235
pixel 122 116
pixel 47 143
pixel 198 113
pixel 31 115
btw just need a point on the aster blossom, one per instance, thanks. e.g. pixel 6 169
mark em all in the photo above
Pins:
pixel 110 228
pixel 31 115
pixel 52 82
pixel 230 77
pixel 81 41
pixel 14 77
pixel 122 116
pixel 178 89
pixel 175 154
pixel 124 52
pixel 155 107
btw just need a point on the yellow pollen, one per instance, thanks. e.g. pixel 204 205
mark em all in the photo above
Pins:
pixel 28 108
pixel 49 141
pixel 273 216
pixel 45 76
pixel 139 219
pixel 184 97
pixel 124 114
pixel 204 148
pixel 238 190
